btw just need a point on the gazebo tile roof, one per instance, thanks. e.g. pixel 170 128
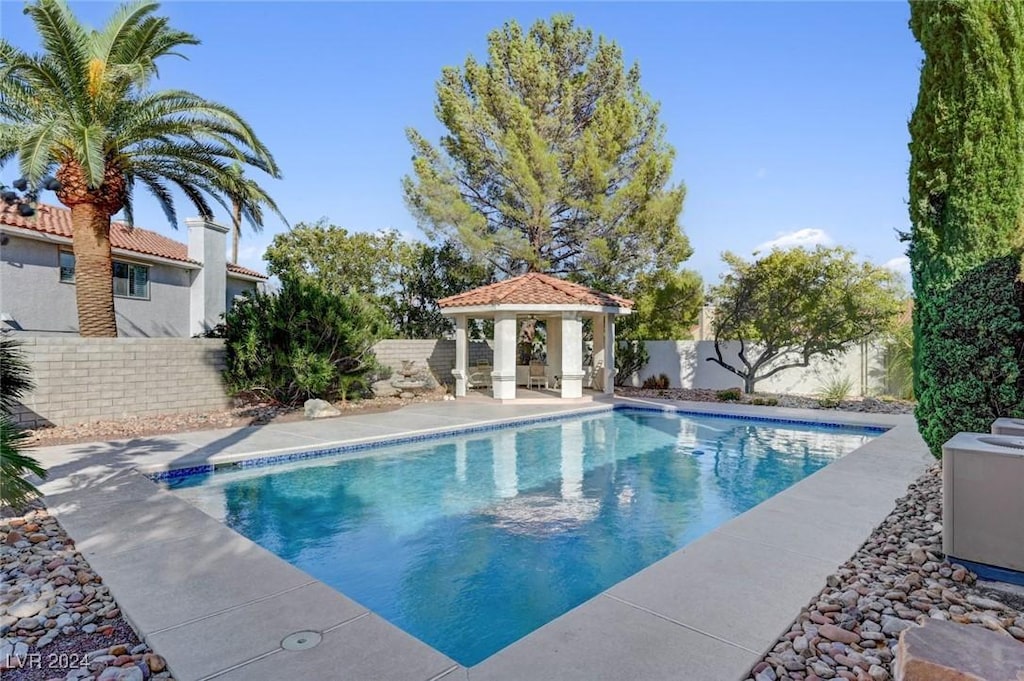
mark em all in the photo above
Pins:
pixel 534 288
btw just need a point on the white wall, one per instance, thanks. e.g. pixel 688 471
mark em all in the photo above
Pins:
pixel 685 363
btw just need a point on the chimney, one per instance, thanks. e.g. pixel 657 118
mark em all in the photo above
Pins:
pixel 207 244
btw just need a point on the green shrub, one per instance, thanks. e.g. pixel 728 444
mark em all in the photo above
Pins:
pixel 975 354
pixel 630 357
pixel 834 391
pixel 729 395
pixel 764 401
pixel 659 382
pixel 15 464
pixel 301 342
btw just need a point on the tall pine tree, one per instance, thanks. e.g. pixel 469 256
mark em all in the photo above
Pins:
pixel 553 160
pixel 967 164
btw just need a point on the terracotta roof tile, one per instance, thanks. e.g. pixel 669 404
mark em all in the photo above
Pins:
pixel 534 289
pixel 57 221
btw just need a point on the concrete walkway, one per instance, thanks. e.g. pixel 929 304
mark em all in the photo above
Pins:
pixel 218 606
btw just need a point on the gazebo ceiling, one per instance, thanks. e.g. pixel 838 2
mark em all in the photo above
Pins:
pixel 535 288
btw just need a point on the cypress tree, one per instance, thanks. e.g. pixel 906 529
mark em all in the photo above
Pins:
pixel 967 164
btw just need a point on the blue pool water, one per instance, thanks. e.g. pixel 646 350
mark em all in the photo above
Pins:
pixel 471 542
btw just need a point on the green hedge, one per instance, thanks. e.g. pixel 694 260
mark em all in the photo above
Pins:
pixel 975 354
pixel 301 342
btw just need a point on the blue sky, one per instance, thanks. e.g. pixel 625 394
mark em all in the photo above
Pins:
pixel 788 119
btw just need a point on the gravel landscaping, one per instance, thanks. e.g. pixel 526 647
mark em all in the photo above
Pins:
pixel 871 405
pixel 898 578
pixel 248 415
pixel 57 619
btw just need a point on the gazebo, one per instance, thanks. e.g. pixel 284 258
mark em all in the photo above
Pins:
pixel 562 306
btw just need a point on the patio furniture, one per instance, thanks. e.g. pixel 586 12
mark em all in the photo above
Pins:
pixel 537 376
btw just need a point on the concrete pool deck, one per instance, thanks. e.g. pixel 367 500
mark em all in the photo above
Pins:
pixel 217 605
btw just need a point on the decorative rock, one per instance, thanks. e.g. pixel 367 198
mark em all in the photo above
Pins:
pixel 407 395
pixel 28 606
pixel 949 652
pixel 318 409
pixel 834 633
pixel 27 623
pixel 878 673
pixel 985 603
pixel 383 389
pixel 155 662
pixel 894 625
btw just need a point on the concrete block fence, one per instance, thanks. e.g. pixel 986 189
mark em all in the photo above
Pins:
pixel 437 355
pixel 94 379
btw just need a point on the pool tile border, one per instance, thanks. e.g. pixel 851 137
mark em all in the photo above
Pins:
pixel 456 431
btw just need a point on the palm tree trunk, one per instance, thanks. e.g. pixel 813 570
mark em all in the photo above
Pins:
pixel 94 290
pixel 236 233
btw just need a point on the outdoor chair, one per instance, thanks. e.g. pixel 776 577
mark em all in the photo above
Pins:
pixel 537 376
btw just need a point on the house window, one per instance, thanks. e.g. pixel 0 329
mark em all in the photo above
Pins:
pixel 130 280
pixel 67 266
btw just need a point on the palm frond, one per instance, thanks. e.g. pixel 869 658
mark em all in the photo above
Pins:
pixel 64 38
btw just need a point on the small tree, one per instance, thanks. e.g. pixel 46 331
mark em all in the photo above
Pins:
pixel 793 305
pixel 425 275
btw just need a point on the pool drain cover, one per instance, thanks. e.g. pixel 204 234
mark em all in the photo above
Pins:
pixel 301 640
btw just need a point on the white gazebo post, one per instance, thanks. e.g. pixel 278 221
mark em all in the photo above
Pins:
pixel 572 355
pixel 553 326
pixel 609 354
pixel 503 378
pixel 461 370
pixel 598 361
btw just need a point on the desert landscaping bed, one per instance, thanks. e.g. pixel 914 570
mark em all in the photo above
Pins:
pixel 57 619
pixel 870 405
pixel 898 578
pixel 248 415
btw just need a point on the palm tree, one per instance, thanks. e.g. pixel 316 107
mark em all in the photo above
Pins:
pixel 247 200
pixel 84 109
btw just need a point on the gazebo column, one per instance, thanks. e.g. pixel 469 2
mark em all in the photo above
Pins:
pixel 553 325
pixel 503 378
pixel 604 352
pixel 598 362
pixel 572 355
pixel 609 354
pixel 461 370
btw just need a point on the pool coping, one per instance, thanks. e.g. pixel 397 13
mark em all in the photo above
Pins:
pixel 222 604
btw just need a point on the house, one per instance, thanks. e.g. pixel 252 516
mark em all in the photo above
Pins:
pixel 162 287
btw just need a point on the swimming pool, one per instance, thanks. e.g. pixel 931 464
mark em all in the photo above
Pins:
pixel 470 542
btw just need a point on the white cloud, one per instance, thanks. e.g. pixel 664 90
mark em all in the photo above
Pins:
pixel 809 236
pixel 900 265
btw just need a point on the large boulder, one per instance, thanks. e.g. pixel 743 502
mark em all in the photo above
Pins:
pixel 318 409
pixel 946 651
pixel 384 389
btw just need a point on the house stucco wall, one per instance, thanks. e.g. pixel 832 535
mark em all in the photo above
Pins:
pixel 236 287
pixel 94 379
pixel 33 295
